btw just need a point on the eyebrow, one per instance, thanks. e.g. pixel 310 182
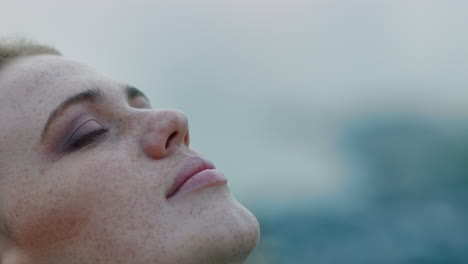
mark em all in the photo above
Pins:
pixel 133 92
pixel 91 95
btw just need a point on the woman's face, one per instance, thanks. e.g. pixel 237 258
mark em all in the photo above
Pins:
pixel 88 172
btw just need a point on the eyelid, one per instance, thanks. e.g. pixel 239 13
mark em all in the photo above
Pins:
pixel 88 126
pixel 140 102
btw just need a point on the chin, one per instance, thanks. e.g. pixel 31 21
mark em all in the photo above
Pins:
pixel 245 234
pixel 236 235
pixel 221 231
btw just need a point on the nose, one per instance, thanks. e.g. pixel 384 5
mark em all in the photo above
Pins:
pixel 165 130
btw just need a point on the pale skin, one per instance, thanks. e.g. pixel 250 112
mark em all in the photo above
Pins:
pixel 103 201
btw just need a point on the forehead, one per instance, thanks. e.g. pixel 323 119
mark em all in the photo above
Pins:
pixel 28 79
pixel 31 87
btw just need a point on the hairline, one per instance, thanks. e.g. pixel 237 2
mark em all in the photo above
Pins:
pixel 12 48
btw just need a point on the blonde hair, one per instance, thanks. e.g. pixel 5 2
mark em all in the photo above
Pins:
pixel 14 47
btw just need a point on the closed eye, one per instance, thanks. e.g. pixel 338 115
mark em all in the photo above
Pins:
pixel 137 98
pixel 86 134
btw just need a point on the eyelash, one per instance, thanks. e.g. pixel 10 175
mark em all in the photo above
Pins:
pixel 85 140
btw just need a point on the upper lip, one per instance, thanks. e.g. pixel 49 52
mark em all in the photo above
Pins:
pixel 188 169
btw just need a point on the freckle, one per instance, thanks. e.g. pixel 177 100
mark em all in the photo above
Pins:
pixel 42 172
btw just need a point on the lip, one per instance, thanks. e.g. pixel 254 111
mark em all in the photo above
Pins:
pixel 195 173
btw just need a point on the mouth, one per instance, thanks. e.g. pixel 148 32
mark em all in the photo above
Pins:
pixel 196 173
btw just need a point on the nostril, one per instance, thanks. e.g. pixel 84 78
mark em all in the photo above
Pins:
pixel 170 138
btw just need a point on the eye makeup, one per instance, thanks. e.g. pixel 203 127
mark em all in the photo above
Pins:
pixel 78 121
pixel 87 96
pixel 87 133
pixel 77 128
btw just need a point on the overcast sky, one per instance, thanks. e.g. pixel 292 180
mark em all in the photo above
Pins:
pixel 268 86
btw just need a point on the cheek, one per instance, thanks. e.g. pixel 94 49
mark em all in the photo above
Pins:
pixel 48 225
pixel 43 220
pixel 51 207
pixel 84 205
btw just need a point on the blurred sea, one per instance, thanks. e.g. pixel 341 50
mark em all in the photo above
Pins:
pixel 410 206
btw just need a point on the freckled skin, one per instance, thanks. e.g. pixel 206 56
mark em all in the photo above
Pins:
pixel 105 203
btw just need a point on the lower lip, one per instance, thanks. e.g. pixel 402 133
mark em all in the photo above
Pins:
pixel 201 180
